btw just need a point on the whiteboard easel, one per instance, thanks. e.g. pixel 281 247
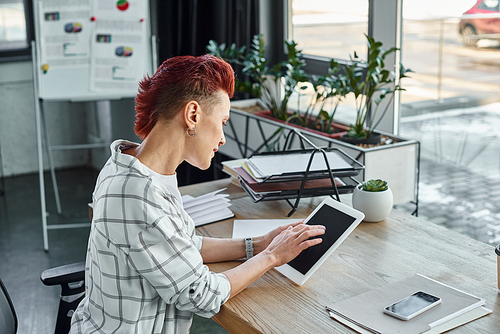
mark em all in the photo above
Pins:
pixel 71 84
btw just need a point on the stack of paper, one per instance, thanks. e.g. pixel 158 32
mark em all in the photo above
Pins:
pixel 207 208
pixel 279 175
pixel 256 190
pixel 263 166
pixel 229 168
pixel 365 313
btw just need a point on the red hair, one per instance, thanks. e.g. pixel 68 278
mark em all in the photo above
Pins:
pixel 178 81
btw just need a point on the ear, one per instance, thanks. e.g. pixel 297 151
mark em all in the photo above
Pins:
pixel 191 114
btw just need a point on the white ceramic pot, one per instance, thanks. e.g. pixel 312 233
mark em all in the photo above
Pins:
pixel 376 205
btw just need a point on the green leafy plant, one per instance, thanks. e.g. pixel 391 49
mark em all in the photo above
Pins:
pixel 329 92
pixel 374 185
pixel 267 82
pixel 371 83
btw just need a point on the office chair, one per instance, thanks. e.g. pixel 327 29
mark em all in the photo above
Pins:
pixel 71 278
pixel 8 319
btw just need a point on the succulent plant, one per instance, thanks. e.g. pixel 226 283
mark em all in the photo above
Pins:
pixel 374 185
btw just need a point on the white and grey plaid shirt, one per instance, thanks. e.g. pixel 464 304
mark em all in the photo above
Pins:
pixel 144 270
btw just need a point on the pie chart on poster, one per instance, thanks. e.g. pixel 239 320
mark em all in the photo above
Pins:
pixel 123 51
pixel 73 27
pixel 122 5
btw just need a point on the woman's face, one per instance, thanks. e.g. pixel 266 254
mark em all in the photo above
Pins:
pixel 209 132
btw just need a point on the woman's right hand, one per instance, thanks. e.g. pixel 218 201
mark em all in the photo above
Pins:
pixel 292 241
pixel 282 249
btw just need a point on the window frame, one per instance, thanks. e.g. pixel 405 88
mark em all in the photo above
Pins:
pixel 22 53
pixel 319 65
pixel 316 65
pixel 496 8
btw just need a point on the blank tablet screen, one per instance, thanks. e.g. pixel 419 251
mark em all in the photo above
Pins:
pixel 336 223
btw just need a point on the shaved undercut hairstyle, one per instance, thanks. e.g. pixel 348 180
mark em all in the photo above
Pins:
pixel 178 81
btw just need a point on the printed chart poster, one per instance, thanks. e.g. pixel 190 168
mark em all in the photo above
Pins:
pixel 65 33
pixel 120 8
pixel 118 55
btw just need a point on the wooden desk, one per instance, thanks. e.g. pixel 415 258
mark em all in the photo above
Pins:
pixel 374 255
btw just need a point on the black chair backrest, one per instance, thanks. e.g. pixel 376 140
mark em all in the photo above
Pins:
pixel 8 319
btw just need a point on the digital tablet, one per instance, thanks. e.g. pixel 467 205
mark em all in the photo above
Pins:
pixel 340 220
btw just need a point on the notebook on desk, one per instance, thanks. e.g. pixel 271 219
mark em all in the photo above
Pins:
pixel 208 208
pixel 365 312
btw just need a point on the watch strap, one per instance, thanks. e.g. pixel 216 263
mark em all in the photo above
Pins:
pixel 249 247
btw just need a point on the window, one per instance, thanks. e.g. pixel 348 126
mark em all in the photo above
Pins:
pixel 330 28
pixel 15 32
pixel 489 5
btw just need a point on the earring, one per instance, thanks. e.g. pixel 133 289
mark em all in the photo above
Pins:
pixel 191 135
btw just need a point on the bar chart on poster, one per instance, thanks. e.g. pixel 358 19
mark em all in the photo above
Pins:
pixel 92 49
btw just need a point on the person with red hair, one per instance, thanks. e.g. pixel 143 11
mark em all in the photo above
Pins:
pixel 145 268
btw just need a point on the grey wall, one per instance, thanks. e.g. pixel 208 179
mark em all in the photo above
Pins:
pixel 67 123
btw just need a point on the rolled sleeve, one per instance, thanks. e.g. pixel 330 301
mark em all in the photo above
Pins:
pixel 207 294
pixel 198 241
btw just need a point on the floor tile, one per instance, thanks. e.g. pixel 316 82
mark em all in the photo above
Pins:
pixel 459 182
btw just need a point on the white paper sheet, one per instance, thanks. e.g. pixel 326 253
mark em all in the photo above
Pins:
pixel 122 9
pixel 118 45
pixel 267 165
pixel 244 228
pixel 66 31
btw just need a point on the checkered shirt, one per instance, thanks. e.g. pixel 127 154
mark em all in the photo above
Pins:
pixel 144 270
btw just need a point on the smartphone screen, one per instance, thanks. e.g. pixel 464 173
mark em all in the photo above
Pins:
pixel 413 305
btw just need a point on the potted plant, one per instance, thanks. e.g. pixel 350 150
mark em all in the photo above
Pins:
pixel 267 82
pixel 371 84
pixel 274 85
pixel 373 198
pixel 319 97
pixel 328 91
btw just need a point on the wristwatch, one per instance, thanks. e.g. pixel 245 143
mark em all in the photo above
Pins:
pixel 249 247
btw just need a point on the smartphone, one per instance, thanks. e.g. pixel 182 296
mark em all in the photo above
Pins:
pixel 411 306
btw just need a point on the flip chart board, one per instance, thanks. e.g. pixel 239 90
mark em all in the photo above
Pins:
pixel 91 49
